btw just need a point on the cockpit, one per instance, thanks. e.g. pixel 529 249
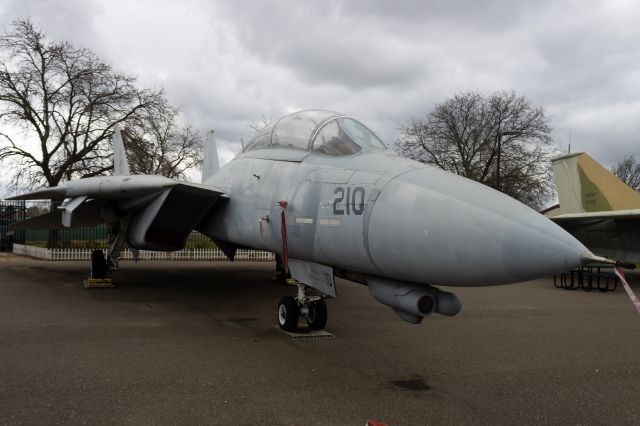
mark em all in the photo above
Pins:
pixel 322 132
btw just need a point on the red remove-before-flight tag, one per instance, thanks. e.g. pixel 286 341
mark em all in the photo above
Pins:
pixel 632 296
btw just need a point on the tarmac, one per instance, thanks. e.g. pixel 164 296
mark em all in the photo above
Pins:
pixel 195 343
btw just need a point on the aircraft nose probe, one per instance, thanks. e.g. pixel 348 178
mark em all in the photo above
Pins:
pixel 588 257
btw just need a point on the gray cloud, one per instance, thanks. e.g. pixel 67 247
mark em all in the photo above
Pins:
pixel 227 63
pixel 322 45
pixel 59 19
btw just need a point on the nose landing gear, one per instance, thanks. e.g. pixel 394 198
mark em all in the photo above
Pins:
pixel 308 304
pixel 288 313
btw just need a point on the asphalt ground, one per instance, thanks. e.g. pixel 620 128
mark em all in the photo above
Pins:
pixel 195 343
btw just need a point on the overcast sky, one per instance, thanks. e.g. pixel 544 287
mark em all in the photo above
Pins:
pixel 227 63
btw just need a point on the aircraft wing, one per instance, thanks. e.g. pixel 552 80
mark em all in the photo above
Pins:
pixel 159 213
pixel 587 218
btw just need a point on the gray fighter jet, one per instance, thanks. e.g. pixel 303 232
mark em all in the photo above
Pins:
pixel 325 194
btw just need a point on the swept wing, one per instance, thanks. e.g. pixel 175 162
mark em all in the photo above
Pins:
pixel 150 212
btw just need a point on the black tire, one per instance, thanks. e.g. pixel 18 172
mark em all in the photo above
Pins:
pixel 317 319
pixel 288 313
pixel 98 265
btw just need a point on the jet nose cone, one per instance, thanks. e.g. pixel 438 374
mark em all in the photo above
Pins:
pixel 434 227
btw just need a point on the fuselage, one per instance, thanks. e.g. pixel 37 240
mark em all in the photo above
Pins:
pixel 378 214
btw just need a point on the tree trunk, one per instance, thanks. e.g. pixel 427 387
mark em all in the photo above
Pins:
pixel 52 239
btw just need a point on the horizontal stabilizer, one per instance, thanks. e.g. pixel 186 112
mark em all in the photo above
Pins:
pixel 162 211
pixel 112 188
pixel 56 193
pixel 87 214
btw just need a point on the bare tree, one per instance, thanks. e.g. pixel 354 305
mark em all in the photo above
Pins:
pixel 59 105
pixel 260 124
pixel 157 145
pixel 628 170
pixel 462 135
pixel 256 126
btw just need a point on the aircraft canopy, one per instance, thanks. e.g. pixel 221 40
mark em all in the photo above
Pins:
pixel 331 133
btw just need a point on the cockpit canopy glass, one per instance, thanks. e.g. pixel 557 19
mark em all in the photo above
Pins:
pixel 292 131
pixel 334 134
pixel 345 136
pixel 261 140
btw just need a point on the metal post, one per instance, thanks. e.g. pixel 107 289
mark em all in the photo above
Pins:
pixel 498 183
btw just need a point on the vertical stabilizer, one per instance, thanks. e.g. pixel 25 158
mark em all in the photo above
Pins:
pixel 584 186
pixel 120 164
pixel 210 162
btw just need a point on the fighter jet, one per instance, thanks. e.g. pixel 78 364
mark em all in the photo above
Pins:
pixel 596 207
pixel 324 193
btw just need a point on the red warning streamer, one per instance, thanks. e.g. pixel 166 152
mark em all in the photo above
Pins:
pixel 632 296
pixel 285 246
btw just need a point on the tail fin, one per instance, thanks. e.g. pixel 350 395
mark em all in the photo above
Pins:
pixel 584 185
pixel 210 162
pixel 120 163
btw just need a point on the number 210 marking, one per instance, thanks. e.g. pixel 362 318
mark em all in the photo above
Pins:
pixel 354 200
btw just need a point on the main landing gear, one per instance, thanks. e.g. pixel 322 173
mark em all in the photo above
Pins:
pixel 98 265
pixel 307 304
pixel 101 265
pixel 99 268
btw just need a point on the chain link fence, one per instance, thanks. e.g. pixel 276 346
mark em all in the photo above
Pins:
pixel 11 212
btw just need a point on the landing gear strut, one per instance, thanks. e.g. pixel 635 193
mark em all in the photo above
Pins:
pixel 101 265
pixel 308 304
pixel 282 273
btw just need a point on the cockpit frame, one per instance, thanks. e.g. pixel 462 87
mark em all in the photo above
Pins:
pixel 302 129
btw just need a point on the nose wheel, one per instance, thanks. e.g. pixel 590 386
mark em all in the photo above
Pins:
pixel 308 304
pixel 317 315
pixel 288 313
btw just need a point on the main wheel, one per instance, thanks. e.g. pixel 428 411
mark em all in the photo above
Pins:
pixel 317 318
pixel 288 313
pixel 98 265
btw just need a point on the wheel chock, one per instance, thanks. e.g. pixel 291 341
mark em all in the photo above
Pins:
pixel 305 334
pixel 98 283
pixel 291 281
